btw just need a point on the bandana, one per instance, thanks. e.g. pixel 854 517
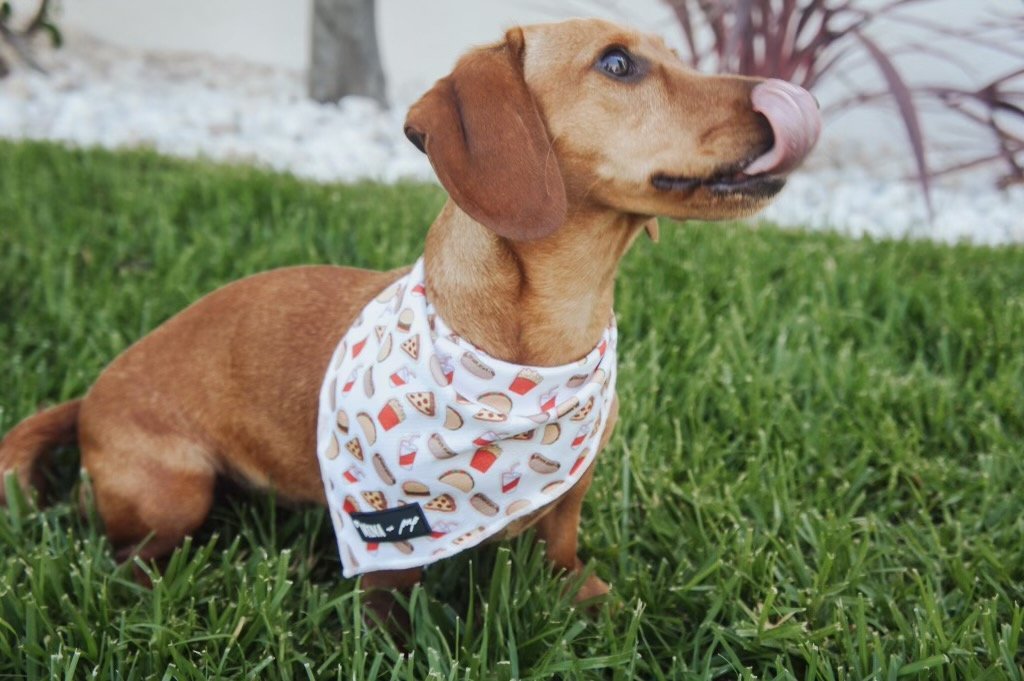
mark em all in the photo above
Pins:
pixel 428 446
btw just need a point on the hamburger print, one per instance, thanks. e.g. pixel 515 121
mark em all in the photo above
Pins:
pixel 503 440
pixel 567 406
pixel 405 320
pixel 342 421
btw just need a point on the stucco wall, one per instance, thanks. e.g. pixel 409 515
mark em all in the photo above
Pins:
pixel 420 39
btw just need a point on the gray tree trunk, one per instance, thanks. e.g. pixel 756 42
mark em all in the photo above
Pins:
pixel 345 59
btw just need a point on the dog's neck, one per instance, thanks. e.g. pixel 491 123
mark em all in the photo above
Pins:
pixel 541 303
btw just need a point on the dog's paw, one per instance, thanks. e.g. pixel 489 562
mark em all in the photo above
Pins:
pixel 595 596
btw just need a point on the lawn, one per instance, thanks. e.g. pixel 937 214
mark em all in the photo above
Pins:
pixel 817 474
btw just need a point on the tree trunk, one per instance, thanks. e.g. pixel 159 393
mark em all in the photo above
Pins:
pixel 345 59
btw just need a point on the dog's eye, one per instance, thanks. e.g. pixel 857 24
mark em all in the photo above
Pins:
pixel 617 62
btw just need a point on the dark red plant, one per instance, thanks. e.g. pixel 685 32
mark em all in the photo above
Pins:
pixel 20 39
pixel 998 106
pixel 804 41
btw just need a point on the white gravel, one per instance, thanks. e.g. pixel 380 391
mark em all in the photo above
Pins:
pixel 197 106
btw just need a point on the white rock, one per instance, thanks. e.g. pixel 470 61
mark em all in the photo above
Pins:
pixel 199 106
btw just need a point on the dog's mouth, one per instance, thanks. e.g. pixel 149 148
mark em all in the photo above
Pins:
pixel 791 115
pixel 730 181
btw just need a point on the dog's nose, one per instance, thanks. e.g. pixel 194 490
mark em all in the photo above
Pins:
pixel 796 124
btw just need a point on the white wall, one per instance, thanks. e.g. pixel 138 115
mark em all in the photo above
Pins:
pixel 420 39
pixel 272 32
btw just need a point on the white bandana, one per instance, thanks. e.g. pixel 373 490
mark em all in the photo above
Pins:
pixel 428 446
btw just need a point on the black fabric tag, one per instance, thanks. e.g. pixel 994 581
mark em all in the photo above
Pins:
pixel 393 524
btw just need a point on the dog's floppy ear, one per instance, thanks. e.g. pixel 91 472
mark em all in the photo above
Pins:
pixel 484 136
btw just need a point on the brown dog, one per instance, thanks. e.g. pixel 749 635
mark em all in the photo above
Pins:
pixel 557 146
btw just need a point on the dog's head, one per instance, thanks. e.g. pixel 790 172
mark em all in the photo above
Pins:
pixel 589 115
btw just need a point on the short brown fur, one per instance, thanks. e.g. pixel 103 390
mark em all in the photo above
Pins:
pixel 548 162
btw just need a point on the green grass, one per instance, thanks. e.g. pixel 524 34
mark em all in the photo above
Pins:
pixel 818 471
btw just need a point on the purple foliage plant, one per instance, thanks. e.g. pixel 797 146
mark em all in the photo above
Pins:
pixel 808 41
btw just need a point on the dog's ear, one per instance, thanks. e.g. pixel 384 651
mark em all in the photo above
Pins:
pixel 486 140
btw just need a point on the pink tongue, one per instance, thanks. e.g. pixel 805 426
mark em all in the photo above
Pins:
pixel 796 124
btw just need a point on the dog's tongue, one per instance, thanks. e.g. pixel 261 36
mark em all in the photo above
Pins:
pixel 796 124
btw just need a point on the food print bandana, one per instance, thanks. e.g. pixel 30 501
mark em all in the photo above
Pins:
pixel 428 446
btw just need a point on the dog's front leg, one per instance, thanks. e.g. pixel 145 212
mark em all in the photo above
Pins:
pixel 380 599
pixel 560 528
